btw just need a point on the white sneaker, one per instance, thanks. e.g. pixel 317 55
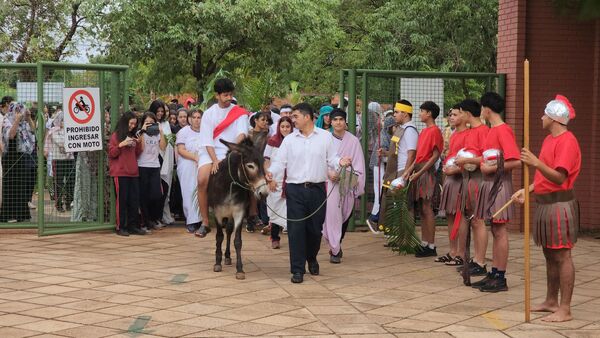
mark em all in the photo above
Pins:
pixel 373 227
pixel 31 205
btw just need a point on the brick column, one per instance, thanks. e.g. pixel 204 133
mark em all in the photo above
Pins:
pixel 510 56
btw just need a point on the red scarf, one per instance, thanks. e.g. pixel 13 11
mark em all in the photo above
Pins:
pixel 233 115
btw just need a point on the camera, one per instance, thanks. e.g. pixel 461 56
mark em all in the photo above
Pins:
pixel 152 130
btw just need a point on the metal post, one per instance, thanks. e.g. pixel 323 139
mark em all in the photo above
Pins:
pixel 41 174
pixel 114 116
pixel 101 165
pixel 351 119
pixel 396 93
pixel 126 91
pixel 364 141
pixel 342 88
pixel 351 101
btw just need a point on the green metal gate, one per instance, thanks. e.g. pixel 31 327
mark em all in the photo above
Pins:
pixel 77 194
pixel 388 86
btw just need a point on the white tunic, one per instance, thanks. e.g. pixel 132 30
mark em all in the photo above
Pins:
pixel 277 206
pixel 187 172
pixel 166 171
pixel 212 117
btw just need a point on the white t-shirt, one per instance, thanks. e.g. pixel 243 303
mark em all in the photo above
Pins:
pixel 407 142
pixel 190 138
pixel 149 156
pixel 212 117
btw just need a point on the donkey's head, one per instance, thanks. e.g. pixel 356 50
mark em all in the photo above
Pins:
pixel 250 169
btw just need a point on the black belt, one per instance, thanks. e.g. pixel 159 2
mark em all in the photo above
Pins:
pixel 555 197
pixel 308 184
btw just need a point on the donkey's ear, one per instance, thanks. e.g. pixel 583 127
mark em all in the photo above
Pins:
pixel 232 146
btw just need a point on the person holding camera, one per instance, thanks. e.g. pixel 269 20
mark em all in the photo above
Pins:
pixel 123 149
pixel 152 141
pixel 18 133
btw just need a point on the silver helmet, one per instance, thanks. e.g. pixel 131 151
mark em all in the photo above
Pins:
pixel 560 110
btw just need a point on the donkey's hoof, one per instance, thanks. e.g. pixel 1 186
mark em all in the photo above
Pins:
pixel 217 268
pixel 227 261
pixel 240 275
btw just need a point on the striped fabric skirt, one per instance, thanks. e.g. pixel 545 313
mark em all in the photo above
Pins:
pixel 450 200
pixel 487 204
pixel 556 220
pixel 470 197
pixel 424 186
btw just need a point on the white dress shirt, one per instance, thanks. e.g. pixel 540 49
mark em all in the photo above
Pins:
pixel 306 158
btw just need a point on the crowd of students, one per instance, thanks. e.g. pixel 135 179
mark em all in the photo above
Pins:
pixel 161 162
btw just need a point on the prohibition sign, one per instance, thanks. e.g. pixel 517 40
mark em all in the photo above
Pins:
pixel 81 106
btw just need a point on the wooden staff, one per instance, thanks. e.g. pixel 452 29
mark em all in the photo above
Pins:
pixel 499 211
pixel 526 190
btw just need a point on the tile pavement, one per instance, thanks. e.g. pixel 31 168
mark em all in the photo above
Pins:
pixel 162 285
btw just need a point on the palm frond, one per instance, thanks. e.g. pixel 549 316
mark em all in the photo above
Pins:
pixel 400 227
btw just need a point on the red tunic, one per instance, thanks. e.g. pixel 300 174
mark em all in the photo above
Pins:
pixel 559 152
pixel 429 139
pixel 457 142
pixel 476 139
pixel 503 138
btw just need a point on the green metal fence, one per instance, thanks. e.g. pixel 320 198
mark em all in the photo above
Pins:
pixel 362 86
pixel 71 192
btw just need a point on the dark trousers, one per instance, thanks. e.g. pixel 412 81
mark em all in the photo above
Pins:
pixel 151 193
pixel 304 237
pixel 128 202
pixel 175 200
pixel 345 226
pixel 64 182
pixel 17 181
pixel 275 228
pixel 262 211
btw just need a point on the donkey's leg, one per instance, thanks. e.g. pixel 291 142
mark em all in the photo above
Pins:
pixel 229 231
pixel 237 242
pixel 218 252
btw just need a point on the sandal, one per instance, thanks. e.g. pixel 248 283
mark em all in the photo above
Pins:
pixel 443 259
pixel 456 261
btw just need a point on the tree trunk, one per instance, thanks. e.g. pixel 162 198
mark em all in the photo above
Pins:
pixel 24 52
pixel 58 52
pixel 197 71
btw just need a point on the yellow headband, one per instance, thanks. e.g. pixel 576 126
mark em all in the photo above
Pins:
pixel 403 107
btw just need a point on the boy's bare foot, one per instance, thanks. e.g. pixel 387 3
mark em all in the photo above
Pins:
pixel 545 307
pixel 558 316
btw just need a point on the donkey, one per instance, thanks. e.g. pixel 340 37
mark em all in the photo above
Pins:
pixel 240 175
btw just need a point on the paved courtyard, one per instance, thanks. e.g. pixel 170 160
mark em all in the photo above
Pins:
pixel 162 285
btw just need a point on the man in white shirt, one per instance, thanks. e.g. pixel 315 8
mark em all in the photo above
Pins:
pixel 220 121
pixel 305 155
pixel 407 148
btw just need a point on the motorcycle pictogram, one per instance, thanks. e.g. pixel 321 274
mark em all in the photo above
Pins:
pixel 82 106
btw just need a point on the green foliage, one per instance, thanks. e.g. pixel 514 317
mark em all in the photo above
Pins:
pixel 400 227
pixel 255 91
pixel 182 37
pixel 584 9
pixel 36 30
pixel 437 35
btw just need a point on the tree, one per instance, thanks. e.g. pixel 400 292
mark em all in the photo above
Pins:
pixel 179 38
pixel 32 30
pixel 585 9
